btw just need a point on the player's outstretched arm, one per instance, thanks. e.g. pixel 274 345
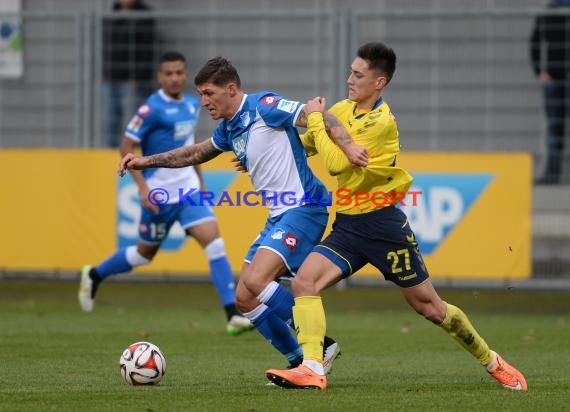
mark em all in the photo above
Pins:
pixel 181 157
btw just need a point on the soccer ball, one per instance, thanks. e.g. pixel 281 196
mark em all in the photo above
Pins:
pixel 142 363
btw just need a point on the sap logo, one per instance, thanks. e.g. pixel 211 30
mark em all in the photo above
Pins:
pixel 240 144
pixel 183 130
pixel 444 201
pixel 129 209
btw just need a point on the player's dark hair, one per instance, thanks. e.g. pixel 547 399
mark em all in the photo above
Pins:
pixel 172 56
pixel 218 71
pixel 379 57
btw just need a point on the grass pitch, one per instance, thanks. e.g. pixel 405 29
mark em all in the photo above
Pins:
pixel 53 357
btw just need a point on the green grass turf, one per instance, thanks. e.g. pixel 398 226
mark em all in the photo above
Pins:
pixel 53 357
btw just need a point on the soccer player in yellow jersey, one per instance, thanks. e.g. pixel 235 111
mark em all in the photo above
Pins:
pixel 366 230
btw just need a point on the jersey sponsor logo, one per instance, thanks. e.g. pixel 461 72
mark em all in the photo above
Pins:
pixel 129 210
pixel 291 241
pixel 368 125
pixel 269 100
pixel 287 105
pixel 445 200
pixel 183 130
pixel 245 119
pixel 135 124
pixel 240 144
pixel 144 110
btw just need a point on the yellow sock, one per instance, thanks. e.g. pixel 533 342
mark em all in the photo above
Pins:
pixel 458 326
pixel 309 316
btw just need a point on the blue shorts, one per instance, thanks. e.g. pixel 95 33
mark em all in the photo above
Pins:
pixel 383 238
pixel 292 235
pixel 153 228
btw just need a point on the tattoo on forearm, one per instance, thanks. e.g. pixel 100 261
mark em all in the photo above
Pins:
pixel 185 156
pixel 302 118
pixel 336 130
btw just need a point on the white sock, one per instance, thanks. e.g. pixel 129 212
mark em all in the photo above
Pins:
pixel 215 249
pixel 315 366
pixel 267 292
pixel 134 258
pixel 255 313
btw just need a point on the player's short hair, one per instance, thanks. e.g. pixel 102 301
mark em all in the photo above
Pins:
pixel 218 71
pixel 172 56
pixel 379 57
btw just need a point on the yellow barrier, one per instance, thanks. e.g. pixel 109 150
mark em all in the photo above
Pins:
pixel 472 219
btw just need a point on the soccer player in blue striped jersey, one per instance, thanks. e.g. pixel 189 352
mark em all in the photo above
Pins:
pixel 260 129
pixel 370 231
pixel 167 120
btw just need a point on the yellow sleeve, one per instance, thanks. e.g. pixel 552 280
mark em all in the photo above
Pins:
pixel 308 140
pixel 335 160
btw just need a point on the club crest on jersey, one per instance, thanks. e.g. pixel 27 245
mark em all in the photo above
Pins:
pixel 277 234
pixel 287 105
pixel 144 110
pixel 269 100
pixel 291 241
pixel 245 119
pixel 191 108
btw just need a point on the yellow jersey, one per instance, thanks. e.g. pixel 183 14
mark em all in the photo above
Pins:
pixel 361 190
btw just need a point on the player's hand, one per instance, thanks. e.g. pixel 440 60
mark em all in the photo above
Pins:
pixel 238 166
pixel 146 203
pixel 357 154
pixel 130 162
pixel 316 104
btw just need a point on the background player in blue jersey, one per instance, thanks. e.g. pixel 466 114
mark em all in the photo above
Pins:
pixel 166 121
pixel 260 130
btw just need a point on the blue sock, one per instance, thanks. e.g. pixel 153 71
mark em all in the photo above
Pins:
pixel 114 264
pixel 276 331
pixel 223 279
pixel 281 302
